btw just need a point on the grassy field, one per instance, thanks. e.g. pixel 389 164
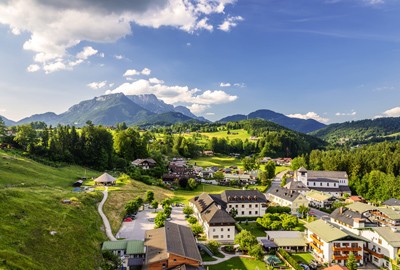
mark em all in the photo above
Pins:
pixel 241 134
pixel 255 229
pixel 239 263
pixel 219 161
pixel 303 257
pixel 31 197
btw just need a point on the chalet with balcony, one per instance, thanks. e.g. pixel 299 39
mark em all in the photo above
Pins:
pixel 145 164
pixel 331 244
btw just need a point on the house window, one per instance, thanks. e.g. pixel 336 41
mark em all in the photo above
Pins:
pixel 236 206
pixel 380 241
pixel 229 229
pixel 174 260
pixel 256 212
pixel 215 236
pixel 213 230
pixel 242 205
pixel 228 236
pixel 314 183
pixel 334 184
pixel 242 212
pixel 249 205
pixel 379 250
pixel 249 212
pixel 327 184
pixel 222 229
pixel 320 184
pixel 222 236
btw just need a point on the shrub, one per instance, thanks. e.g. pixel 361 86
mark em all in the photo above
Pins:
pixel 290 259
pixel 192 220
pixel 213 246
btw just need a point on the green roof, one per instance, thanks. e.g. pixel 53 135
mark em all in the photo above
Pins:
pixel 114 245
pixel 318 195
pixel 290 242
pixel 360 207
pixel 392 214
pixel 363 207
pixel 130 246
pixel 389 234
pixel 325 231
pixel 135 247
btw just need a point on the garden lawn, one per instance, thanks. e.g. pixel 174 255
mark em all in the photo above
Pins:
pixel 184 196
pixel 239 263
pixel 256 229
pixel 303 257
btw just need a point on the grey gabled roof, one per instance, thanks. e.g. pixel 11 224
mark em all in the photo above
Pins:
pixel 345 215
pixel 327 174
pixel 288 195
pixel 295 185
pixel 392 202
pixel 246 196
pixel 181 242
pixel 203 201
pixel 216 216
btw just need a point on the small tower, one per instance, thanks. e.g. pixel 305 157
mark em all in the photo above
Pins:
pixel 301 175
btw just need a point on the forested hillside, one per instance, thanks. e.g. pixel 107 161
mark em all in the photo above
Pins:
pixel 374 170
pixel 355 132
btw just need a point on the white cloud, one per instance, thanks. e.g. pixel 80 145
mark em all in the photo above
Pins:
pixel 352 113
pixel 229 23
pixel 33 68
pixel 198 108
pixel 146 71
pixel 131 72
pixel 222 84
pixel 156 81
pixel 394 112
pixel 97 85
pixel 174 94
pixel 188 44
pixel 102 55
pixel 202 24
pixel 54 27
pixel 53 67
pixel 119 57
pixel 374 2
pixel 309 115
pixel 241 85
pixel 86 53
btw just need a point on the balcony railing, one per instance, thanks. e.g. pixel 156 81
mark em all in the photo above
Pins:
pixel 317 249
pixel 316 240
pixel 376 254
pixel 346 248
pixel 345 257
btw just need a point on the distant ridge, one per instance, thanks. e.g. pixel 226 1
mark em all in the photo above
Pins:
pixel 111 109
pixel 360 131
pixel 8 122
pixel 297 124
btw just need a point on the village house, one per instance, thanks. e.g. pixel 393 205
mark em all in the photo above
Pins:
pixel 293 241
pixel 170 247
pixel 283 197
pixel 218 224
pixel 335 183
pixel 240 178
pixel 132 252
pixel 383 216
pixel 392 203
pixel 145 164
pixel 208 153
pixel 331 244
pixel 383 242
pixel 319 199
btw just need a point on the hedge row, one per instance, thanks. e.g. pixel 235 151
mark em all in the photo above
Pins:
pixel 290 259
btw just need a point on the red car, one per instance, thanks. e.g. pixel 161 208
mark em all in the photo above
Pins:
pixel 128 219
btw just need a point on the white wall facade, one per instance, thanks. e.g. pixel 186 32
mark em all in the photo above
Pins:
pixel 247 209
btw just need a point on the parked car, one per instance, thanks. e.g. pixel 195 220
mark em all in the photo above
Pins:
pixel 128 219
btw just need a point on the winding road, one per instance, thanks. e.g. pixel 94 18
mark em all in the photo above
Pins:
pixel 103 216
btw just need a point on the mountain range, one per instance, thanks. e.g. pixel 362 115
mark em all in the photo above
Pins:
pixel 148 110
pixel 301 125
pixel 116 108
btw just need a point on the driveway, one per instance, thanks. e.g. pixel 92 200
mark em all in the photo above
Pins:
pixel 135 230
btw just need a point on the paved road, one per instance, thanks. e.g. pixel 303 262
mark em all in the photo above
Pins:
pixel 319 214
pixel 103 216
pixel 135 230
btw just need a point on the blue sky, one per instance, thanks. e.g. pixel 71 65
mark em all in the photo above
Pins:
pixel 331 60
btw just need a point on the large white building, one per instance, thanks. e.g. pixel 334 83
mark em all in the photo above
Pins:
pixel 212 211
pixel 289 198
pixel 335 183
